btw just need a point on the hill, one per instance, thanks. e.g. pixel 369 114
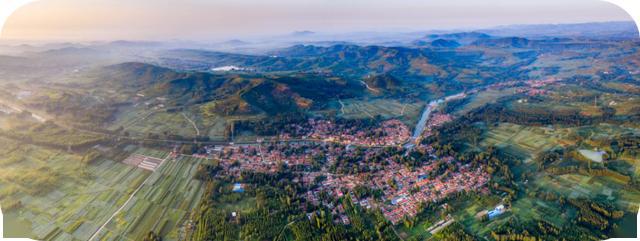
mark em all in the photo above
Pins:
pixel 255 93
pixel 443 43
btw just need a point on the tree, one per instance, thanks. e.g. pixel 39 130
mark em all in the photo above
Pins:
pixel 151 236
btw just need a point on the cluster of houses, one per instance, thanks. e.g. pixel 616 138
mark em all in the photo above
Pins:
pixel 387 133
pixel 403 189
pixel 400 190
pixel 261 158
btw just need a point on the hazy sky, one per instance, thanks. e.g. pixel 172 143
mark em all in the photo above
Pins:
pixel 225 19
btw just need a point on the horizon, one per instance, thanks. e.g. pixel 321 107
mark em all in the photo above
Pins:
pixel 308 38
pixel 101 20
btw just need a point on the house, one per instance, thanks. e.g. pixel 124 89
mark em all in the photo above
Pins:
pixel 238 187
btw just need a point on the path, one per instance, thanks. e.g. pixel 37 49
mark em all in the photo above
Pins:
pixel 127 202
pixel 19 109
pixel 366 85
pixel 192 123
pixel 341 106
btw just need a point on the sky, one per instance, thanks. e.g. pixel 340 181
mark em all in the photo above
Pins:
pixel 86 20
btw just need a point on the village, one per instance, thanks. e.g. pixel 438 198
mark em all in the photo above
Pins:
pixel 388 133
pixel 402 189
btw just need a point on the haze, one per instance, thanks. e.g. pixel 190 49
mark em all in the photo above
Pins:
pixel 224 19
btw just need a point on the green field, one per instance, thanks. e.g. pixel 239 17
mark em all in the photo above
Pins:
pixel 162 205
pixel 141 121
pixel 482 98
pixel 521 141
pixel 386 108
pixel 49 195
pixel 70 203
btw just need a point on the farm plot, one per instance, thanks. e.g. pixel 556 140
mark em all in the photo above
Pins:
pixel 49 195
pixel 387 108
pixel 142 161
pixel 483 98
pixel 531 140
pixel 577 185
pixel 162 204
pixel 161 122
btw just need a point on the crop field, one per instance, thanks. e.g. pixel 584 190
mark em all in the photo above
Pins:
pixel 530 140
pixel 161 122
pixel 49 195
pixel 162 204
pixel 140 122
pixel 387 108
pixel 483 98
pixel 576 185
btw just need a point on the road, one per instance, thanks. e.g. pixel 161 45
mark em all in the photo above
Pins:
pixel 369 88
pixel 192 123
pixel 341 106
pixel 19 109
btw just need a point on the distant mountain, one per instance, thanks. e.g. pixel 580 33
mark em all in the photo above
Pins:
pixel 460 35
pixel 511 42
pixel 235 42
pixel 302 33
pixel 443 43
pixel 599 30
pixel 133 44
pixel 462 38
pixel 70 51
pixel 346 60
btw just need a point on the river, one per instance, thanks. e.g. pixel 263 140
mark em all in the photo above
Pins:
pixel 426 114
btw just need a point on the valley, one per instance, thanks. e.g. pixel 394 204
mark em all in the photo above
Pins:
pixel 453 136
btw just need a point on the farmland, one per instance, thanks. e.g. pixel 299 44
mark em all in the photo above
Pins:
pixel 386 108
pixel 520 140
pixel 61 199
pixel 50 195
pixel 162 204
